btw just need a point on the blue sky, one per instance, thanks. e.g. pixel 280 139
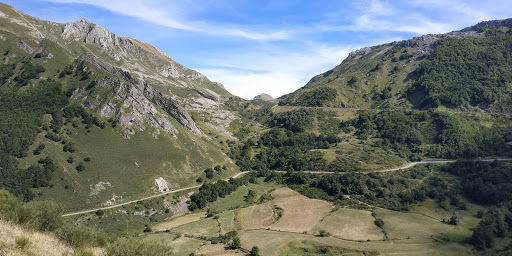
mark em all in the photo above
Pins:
pixel 267 46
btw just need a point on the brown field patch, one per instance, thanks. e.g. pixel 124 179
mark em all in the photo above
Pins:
pixel 218 249
pixel 256 216
pixel 300 213
pixel 351 224
pixel 182 220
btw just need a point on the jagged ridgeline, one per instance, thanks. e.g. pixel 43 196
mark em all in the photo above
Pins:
pixel 468 70
pixel 90 118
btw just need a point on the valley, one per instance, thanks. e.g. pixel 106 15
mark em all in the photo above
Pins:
pixel 108 146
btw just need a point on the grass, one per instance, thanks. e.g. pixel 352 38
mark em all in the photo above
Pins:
pixel 18 241
pixel 237 199
pixel 181 245
pixel 399 225
pixel 281 243
pixel 182 220
pixel 256 216
pixel 130 167
pixel 300 214
pixel 227 221
pixel 220 250
pixel 351 224
pixel 205 227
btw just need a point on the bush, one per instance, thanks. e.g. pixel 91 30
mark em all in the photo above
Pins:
pixel 255 251
pixel 22 242
pixel 132 247
pixel 379 223
pixel 79 236
pixel 236 244
pixel 47 215
pixel 324 233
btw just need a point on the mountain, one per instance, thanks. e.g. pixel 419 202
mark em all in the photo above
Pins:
pixel 115 118
pixel 467 70
pixel 264 97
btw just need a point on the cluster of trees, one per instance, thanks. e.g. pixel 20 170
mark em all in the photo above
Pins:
pixel 467 70
pixel 432 133
pixel 210 192
pixel 28 71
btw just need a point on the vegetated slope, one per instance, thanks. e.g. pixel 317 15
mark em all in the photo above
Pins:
pixel 91 118
pixel 467 69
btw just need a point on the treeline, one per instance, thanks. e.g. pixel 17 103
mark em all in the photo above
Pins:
pixel 430 133
pixel 468 71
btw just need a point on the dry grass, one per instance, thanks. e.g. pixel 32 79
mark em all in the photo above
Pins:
pixel 185 245
pixel 276 243
pixel 227 221
pixel 399 225
pixel 205 227
pixel 179 221
pixel 351 224
pixel 219 249
pixel 40 243
pixel 300 213
pixel 256 216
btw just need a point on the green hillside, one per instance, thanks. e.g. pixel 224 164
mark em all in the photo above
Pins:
pixel 79 124
pixel 466 70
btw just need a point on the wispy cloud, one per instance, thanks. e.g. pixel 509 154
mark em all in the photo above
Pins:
pixel 173 14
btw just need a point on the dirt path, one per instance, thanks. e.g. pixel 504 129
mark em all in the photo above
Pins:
pixel 145 198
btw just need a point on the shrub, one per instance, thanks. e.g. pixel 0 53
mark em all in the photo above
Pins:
pixel 132 247
pixel 324 233
pixel 47 215
pixel 255 251
pixel 379 223
pixel 80 236
pixel 236 244
pixel 22 242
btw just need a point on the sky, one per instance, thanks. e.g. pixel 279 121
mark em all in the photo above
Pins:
pixel 267 46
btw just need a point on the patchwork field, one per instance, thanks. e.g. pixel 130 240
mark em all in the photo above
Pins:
pixel 290 223
pixel 351 224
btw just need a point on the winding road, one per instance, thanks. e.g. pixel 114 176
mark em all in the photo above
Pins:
pixel 409 165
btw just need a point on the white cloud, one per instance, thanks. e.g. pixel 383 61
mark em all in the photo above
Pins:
pixel 274 71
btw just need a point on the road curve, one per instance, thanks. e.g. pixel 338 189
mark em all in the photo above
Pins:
pixel 409 165
pixel 145 198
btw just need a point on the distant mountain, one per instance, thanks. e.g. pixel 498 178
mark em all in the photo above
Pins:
pixel 468 69
pixel 117 117
pixel 264 97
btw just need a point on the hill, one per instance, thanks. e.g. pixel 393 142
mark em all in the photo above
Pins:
pixel 113 117
pixel 466 70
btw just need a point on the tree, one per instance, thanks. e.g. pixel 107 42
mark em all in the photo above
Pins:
pixel 255 251
pixel 100 213
pixel 209 173
pixel 80 167
pixel 236 244
pixel 454 220
pixel 379 223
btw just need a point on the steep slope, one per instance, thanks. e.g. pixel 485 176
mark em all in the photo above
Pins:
pixel 451 69
pixel 123 119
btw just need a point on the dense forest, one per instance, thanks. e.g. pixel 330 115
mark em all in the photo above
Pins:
pixel 467 71
pixel 414 135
